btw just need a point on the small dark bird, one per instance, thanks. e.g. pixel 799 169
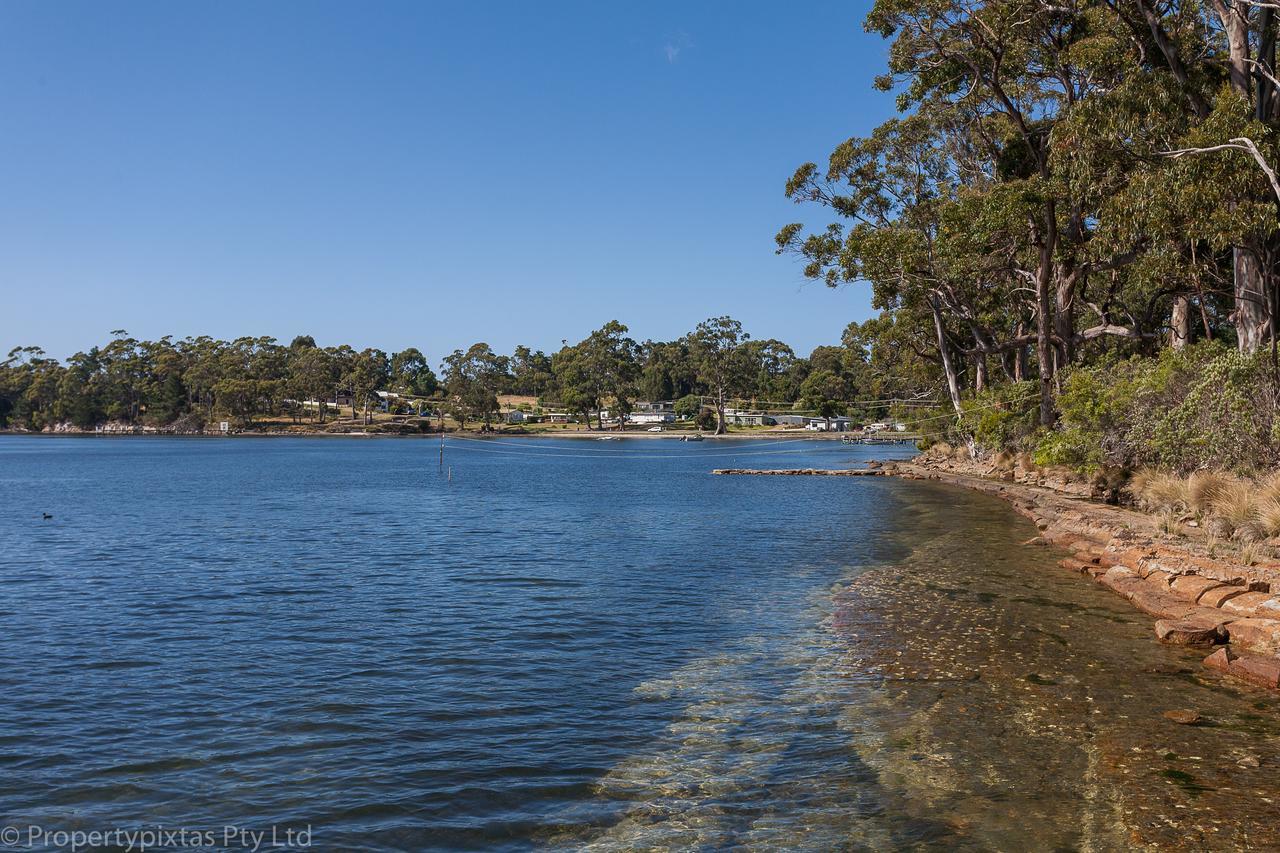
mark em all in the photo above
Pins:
pixel 47 516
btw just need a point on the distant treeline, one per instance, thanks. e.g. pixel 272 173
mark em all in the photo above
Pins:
pixel 187 383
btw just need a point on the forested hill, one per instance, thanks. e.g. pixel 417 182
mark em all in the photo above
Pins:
pixel 188 383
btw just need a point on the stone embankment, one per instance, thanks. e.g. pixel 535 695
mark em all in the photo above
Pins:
pixel 1198 597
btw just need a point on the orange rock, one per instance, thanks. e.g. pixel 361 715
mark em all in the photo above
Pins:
pixel 1246 604
pixel 1190 632
pixel 1220 660
pixel 1264 671
pixel 1215 597
pixel 1191 587
pixel 1256 634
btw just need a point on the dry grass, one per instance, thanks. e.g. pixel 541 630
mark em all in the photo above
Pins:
pixel 1169 521
pixel 1163 491
pixel 942 449
pixel 1203 489
pixel 1269 514
pixel 1027 462
pixel 1139 482
pixel 1269 488
pixel 1003 461
pixel 1233 502
pixel 1249 553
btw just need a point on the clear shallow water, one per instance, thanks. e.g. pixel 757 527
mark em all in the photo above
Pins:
pixel 573 644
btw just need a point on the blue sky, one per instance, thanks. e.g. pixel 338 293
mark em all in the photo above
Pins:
pixel 418 174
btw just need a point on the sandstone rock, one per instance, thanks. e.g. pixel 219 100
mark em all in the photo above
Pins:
pixel 1264 671
pixel 1246 604
pixel 1257 634
pixel 1191 587
pixel 1220 660
pixel 1190 632
pixel 1216 597
pixel 1072 564
pixel 1161 605
pixel 1182 716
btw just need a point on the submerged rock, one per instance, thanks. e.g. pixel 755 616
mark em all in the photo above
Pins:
pixel 1182 716
pixel 1189 632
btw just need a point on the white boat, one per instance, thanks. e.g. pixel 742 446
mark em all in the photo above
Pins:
pixel 697 436
pixel 609 438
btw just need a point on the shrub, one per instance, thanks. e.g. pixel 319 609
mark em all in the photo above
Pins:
pixel 1003 418
pixel 1202 407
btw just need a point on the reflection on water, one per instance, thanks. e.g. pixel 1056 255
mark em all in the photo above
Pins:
pixel 564 649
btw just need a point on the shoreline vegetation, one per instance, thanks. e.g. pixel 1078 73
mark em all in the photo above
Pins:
pixel 716 379
pixel 1070 232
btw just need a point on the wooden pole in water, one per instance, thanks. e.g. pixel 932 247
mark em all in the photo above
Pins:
pixel 441 445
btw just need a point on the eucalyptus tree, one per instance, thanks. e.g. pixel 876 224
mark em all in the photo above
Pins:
pixel 312 374
pixel 472 380
pixel 370 372
pixel 600 370
pixel 723 366
pixel 531 372
pixel 411 374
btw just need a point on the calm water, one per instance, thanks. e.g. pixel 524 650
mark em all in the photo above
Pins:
pixel 575 644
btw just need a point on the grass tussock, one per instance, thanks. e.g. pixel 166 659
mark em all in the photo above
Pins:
pixel 1245 511
pixel 1204 489
pixel 1169 521
pixel 1269 514
pixel 1157 490
pixel 1233 502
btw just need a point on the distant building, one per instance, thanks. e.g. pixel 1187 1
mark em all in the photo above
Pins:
pixel 739 417
pixel 654 406
pixel 651 417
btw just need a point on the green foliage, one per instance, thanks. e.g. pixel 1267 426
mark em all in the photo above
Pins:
pixel 1001 418
pixel 1205 406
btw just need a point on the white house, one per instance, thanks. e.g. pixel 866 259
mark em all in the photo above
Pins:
pixel 651 417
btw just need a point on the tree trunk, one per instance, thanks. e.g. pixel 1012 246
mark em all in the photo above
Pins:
pixel 1251 317
pixel 1020 355
pixel 944 350
pixel 1044 348
pixel 1180 323
pixel 721 427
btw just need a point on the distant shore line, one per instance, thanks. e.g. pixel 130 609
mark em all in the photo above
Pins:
pixel 455 434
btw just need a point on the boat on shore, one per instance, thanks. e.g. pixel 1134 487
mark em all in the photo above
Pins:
pixel 697 436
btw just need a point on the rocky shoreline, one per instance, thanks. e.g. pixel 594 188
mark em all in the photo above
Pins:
pixel 1197 596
